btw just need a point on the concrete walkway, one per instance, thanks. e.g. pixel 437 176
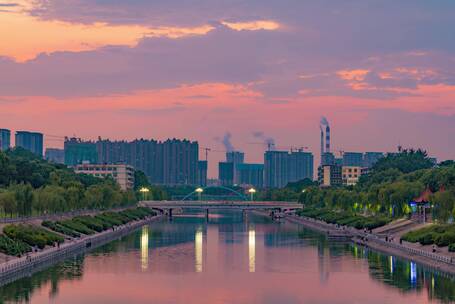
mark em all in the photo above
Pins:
pixel 442 261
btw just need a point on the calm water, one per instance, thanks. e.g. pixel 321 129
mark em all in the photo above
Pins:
pixel 232 258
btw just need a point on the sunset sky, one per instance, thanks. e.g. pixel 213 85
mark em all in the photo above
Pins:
pixel 382 72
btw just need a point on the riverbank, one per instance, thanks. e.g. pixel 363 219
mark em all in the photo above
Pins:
pixel 439 262
pixel 26 265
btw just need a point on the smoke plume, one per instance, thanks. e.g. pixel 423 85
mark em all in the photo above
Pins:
pixel 267 140
pixel 324 121
pixel 227 142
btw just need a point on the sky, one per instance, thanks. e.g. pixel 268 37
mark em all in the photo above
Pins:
pixel 381 71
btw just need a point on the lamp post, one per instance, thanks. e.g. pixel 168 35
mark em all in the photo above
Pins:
pixel 252 191
pixel 199 193
pixel 144 192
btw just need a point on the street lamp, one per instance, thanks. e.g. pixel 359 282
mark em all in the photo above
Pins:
pixel 252 191
pixel 144 192
pixel 199 192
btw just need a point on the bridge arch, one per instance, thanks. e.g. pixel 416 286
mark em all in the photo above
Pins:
pixel 238 194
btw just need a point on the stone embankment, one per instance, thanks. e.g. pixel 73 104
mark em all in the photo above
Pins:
pixel 26 265
pixel 377 242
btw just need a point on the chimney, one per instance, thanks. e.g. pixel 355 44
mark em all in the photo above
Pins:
pixel 327 139
pixel 322 142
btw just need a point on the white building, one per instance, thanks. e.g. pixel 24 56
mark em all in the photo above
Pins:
pixel 122 174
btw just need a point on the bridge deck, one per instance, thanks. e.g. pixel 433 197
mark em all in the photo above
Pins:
pixel 221 205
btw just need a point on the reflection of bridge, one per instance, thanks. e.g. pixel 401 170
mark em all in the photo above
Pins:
pixel 168 206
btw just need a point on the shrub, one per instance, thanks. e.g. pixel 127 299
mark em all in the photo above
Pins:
pixel 32 235
pixel 445 239
pixel 452 247
pixel 76 226
pixel 60 229
pixel 13 247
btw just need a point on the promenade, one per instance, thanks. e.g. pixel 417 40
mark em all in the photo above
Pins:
pixel 438 261
pixel 32 262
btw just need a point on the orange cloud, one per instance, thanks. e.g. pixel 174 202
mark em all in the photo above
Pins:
pixel 268 25
pixel 24 36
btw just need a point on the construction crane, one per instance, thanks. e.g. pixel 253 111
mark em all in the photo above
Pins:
pixel 270 145
pixel 207 150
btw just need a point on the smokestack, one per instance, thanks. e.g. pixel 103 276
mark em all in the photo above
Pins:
pixel 322 142
pixel 327 139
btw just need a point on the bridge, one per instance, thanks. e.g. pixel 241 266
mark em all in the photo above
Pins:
pixel 168 206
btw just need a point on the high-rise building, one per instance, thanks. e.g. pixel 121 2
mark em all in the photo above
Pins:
pixel 276 169
pixel 300 165
pixel 226 173
pixel 55 155
pixel 370 158
pixel 353 159
pixel 172 162
pixel 202 173
pixel 78 151
pixel 5 139
pixel 31 141
pixel 328 158
pixel 282 167
pixel 235 157
pixel 250 175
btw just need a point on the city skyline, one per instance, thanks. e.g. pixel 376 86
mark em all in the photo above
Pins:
pixel 383 77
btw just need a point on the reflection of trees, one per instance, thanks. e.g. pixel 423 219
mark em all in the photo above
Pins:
pixel 407 276
pixel 22 289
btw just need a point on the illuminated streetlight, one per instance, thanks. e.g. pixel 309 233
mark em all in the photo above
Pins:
pixel 252 191
pixel 144 192
pixel 304 190
pixel 199 192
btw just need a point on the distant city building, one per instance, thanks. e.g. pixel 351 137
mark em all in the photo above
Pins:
pixel 55 155
pixel 330 175
pixel 226 173
pixel 353 159
pixel 282 167
pixel 31 141
pixel 202 173
pixel 276 169
pixel 300 166
pixel 370 158
pixel 327 158
pixel 235 157
pixel 250 175
pixel 78 151
pixel 5 139
pixel 121 173
pixel 351 175
pixel 172 162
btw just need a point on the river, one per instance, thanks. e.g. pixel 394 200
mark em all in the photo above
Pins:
pixel 233 257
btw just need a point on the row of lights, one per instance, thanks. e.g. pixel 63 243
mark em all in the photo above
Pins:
pixel 199 191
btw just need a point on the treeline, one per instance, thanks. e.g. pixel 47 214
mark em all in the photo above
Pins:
pixel 30 185
pixel 392 183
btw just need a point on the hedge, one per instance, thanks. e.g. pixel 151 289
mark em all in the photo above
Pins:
pixel 32 235
pixel 60 229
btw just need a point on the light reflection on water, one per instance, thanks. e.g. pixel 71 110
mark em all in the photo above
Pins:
pixel 232 258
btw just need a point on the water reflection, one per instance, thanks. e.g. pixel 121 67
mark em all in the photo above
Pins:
pixel 251 250
pixel 145 248
pixel 231 259
pixel 198 243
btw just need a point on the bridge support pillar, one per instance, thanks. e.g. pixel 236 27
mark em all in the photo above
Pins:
pixel 170 214
pixel 207 214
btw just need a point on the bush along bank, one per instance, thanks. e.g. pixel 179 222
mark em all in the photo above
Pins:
pixel 440 235
pixel 88 225
pixel 19 239
pixel 345 218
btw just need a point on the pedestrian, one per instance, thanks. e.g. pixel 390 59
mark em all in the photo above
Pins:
pixel 434 248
